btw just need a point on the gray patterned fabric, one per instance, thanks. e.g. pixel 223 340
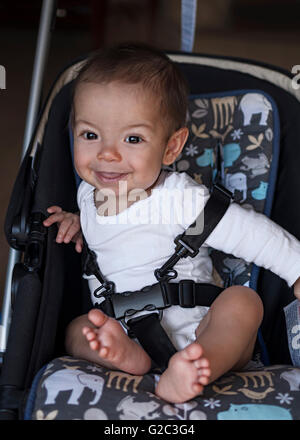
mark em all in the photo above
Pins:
pixel 75 389
pixel 232 140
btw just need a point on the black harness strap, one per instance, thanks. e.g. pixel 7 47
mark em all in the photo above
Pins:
pixel 155 342
pixel 189 243
pixel 185 293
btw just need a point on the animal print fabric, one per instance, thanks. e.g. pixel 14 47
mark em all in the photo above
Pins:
pixel 234 140
pixel 72 389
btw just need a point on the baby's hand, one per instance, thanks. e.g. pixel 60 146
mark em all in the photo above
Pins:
pixel 297 288
pixel 68 226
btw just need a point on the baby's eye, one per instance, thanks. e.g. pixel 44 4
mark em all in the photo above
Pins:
pixel 133 139
pixel 89 136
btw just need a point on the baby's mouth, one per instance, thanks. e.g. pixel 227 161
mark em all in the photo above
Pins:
pixel 110 177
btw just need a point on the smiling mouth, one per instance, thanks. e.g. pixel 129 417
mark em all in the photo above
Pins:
pixel 110 177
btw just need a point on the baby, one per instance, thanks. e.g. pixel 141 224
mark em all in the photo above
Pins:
pixel 128 120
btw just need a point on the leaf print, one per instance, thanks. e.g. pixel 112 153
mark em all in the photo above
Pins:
pixel 252 139
pixel 224 390
pixel 255 142
pixel 39 415
pixel 194 129
pixel 215 134
pixel 202 103
pixel 199 131
pixel 199 113
pixel 50 416
pixel 252 147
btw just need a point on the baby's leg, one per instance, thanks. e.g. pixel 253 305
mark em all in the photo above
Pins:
pixel 226 339
pixel 101 339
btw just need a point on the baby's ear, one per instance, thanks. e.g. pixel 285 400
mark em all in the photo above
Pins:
pixel 175 145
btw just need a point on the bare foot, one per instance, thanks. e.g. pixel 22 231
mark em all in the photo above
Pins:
pixel 188 371
pixel 114 347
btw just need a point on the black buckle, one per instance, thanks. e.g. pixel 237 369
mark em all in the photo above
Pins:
pixel 187 293
pixel 127 304
pixel 106 289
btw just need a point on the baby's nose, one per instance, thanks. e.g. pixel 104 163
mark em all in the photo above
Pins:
pixel 110 154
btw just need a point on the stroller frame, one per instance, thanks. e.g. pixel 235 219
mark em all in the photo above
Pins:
pixel 42 48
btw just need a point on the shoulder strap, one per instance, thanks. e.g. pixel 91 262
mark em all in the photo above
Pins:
pixel 189 243
pixel 90 267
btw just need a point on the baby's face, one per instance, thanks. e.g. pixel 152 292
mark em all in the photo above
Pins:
pixel 119 137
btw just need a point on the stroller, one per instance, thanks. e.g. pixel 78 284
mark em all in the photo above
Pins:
pixel 244 122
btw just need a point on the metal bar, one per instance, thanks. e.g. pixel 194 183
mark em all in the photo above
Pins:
pixel 188 24
pixel 41 53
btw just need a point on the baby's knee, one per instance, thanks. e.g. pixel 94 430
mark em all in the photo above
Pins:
pixel 246 303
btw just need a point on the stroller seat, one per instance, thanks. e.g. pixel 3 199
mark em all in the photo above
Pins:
pixel 68 389
pixel 242 136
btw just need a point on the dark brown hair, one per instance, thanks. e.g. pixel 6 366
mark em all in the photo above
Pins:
pixel 141 64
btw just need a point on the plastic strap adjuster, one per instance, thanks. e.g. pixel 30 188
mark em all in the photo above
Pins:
pixel 184 248
pixel 187 293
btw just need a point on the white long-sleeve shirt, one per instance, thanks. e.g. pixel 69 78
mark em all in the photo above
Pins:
pixel 138 240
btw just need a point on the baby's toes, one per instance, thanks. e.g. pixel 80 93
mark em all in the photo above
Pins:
pixel 97 317
pixel 89 333
pixel 94 345
pixel 104 352
pixel 192 352
pixel 201 363
pixel 204 375
pixel 197 388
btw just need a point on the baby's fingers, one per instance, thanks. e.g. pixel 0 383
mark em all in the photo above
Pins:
pixel 79 243
pixel 71 230
pixel 66 231
pixel 56 217
pixel 53 209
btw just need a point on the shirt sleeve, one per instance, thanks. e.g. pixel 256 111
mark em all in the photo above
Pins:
pixel 83 192
pixel 255 238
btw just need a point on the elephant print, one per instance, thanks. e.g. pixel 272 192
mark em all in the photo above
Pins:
pixel 237 182
pixel 255 103
pixel 75 381
pixel 293 378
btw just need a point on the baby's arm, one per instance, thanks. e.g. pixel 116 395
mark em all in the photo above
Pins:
pixel 68 226
pixel 255 238
pixel 297 288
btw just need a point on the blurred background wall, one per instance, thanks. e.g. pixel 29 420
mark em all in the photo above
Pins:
pixel 263 30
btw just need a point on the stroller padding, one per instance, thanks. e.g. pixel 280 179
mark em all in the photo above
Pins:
pixel 75 389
